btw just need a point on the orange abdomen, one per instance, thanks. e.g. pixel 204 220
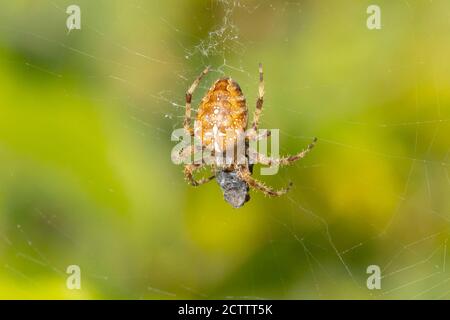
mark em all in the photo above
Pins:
pixel 221 116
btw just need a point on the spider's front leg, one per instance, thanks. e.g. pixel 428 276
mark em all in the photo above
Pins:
pixel 189 93
pixel 245 175
pixel 189 170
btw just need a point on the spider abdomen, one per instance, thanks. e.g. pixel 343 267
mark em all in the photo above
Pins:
pixel 222 115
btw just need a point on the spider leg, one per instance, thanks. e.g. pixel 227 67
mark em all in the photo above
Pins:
pixel 186 154
pixel 245 175
pixel 187 117
pixel 284 161
pixel 259 102
pixel 189 175
pixel 253 135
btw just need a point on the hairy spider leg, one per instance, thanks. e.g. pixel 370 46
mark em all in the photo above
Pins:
pixel 245 175
pixel 189 170
pixel 189 93
pixel 283 161
pixel 260 100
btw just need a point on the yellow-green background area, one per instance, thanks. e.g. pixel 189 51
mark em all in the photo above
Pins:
pixel 86 177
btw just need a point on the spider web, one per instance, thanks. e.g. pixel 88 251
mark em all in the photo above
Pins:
pixel 310 244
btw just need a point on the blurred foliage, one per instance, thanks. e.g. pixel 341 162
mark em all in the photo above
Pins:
pixel 85 170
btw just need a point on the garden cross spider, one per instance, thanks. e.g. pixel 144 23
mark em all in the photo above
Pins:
pixel 224 110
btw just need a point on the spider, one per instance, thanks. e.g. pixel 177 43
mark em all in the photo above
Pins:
pixel 224 109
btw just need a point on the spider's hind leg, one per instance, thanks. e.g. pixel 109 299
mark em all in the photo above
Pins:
pixel 260 101
pixel 189 93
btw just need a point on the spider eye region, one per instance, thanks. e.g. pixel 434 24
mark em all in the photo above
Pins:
pixel 235 190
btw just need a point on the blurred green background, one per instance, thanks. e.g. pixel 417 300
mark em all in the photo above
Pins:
pixel 85 170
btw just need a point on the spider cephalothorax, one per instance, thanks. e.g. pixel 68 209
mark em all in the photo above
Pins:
pixel 221 120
